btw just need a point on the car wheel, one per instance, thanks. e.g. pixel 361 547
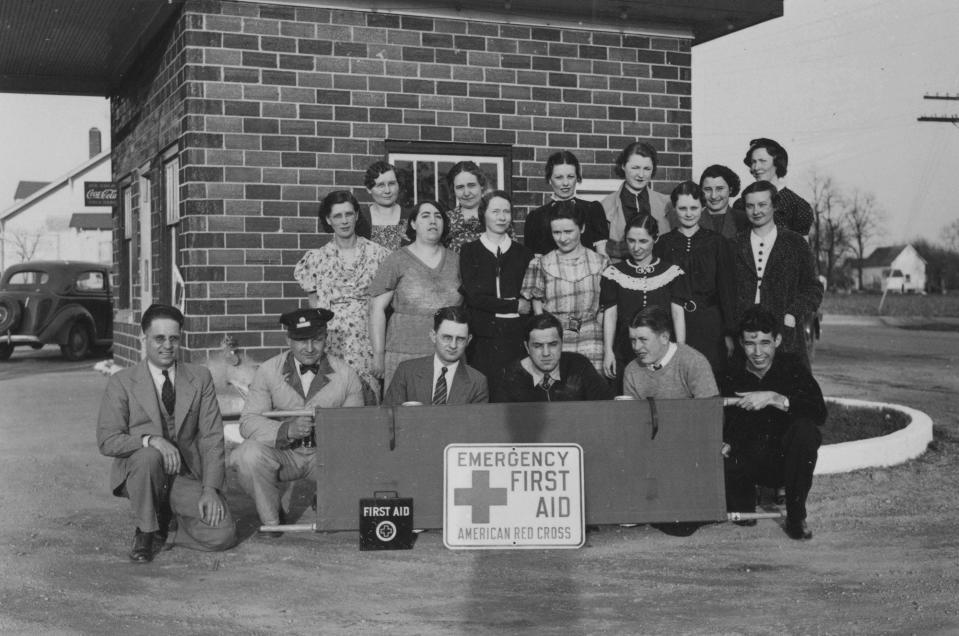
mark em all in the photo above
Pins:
pixel 9 314
pixel 6 350
pixel 78 342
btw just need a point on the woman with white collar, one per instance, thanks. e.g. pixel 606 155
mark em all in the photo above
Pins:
pixel 492 269
pixel 636 165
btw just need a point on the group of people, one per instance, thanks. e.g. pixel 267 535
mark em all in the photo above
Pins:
pixel 685 296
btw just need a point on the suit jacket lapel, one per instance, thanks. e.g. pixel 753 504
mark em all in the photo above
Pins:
pixel 145 393
pixel 185 391
pixel 291 375
pixel 424 379
pixel 321 379
pixel 461 385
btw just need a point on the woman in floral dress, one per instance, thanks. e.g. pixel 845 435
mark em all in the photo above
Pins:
pixel 337 277
pixel 468 183
pixel 566 282
pixel 384 221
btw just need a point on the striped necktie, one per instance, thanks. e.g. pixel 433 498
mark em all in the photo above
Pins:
pixel 439 393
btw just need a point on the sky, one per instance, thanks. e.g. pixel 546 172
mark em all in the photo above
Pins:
pixel 44 137
pixel 839 84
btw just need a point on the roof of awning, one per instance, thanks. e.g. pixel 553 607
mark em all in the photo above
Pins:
pixel 75 47
pixel 84 47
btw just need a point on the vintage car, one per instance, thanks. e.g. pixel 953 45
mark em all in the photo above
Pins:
pixel 56 302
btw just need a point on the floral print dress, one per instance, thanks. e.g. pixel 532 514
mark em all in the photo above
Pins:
pixel 343 287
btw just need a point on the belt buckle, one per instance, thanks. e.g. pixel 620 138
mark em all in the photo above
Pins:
pixel 575 324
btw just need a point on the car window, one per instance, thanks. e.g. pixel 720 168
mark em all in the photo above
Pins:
pixel 28 278
pixel 90 281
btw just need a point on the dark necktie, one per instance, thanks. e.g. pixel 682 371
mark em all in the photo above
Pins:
pixel 166 393
pixel 546 383
pixel 439 393
pixel 311 368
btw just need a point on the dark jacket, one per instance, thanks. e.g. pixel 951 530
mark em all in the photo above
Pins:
pixel 789 285
pixel 478 268
pixel 579 382
pixel 787 376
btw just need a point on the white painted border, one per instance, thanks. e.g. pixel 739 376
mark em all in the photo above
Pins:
pixel 887 450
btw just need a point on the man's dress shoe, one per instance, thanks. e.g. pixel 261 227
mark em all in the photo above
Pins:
pixel 798 530
pixel 143 547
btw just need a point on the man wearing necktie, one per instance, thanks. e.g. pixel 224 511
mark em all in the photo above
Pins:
pixel 160 421
pixel 444 377
pixel 277 451
pixel 548 374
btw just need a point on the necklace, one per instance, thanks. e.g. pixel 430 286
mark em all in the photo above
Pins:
pixel 643 269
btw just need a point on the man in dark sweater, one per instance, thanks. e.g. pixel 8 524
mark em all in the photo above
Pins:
pixel 774 408
pixel 548 374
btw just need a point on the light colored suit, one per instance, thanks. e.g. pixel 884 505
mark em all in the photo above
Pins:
pixel 129 410
pixel 413 382
pixel 268 459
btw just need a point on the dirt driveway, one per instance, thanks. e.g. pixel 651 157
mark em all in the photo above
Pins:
pixel 885 557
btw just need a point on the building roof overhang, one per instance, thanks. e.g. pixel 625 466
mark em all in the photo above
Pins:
pixel 87 48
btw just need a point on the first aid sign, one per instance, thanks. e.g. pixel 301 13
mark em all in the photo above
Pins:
pixel 513 496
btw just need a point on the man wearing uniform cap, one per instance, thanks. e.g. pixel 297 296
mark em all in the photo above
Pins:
pixel 277 451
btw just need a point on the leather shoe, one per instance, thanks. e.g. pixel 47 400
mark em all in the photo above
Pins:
pixel 143 547
pixel 798 530
pixel 160 542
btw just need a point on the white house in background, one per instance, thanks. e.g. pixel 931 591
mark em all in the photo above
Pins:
pixel 53 222
pixel 898 268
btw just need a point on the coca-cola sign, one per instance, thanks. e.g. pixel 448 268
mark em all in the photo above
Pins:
pixel 100 193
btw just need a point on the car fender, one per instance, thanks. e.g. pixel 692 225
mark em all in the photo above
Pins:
pixel 59 328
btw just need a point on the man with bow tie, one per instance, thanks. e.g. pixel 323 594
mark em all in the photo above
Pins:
pixel 277 451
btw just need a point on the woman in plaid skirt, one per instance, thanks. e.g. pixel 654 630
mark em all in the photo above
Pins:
pixel 566 281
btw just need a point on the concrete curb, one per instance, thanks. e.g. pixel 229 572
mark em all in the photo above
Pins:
pixel 887 450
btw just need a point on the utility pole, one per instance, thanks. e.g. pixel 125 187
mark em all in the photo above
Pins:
pixel 952 119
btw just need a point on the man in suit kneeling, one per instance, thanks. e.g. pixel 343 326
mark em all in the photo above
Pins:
pixel 160 421
pixel 444 377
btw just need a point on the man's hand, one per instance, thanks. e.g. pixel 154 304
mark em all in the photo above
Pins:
pixel 299 427
pixel 758 400
pixel 171 454
pixel 212 507
pixel 790 321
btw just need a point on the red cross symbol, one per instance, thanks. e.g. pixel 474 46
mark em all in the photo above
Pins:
pixel 480 497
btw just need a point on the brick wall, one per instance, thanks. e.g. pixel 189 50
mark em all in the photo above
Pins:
pixel 280 104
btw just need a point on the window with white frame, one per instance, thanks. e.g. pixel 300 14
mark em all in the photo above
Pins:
pixel 128 250
pixel 422 166
pixel 171 203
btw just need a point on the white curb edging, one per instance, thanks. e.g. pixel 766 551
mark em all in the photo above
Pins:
pixel 888 450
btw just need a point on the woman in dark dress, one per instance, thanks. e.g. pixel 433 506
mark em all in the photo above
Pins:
pixel 634 284
pixel 492 269
pixel 707 258
pixel 562 174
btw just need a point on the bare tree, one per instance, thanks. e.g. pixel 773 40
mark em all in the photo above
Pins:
pixel 25 242
pixel 835 244
pixel 865 222
pixel 826 202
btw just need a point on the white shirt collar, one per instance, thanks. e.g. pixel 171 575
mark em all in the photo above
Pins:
pixel 671 349
pixel 531 369
pixel 503 245
pixel 157 372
